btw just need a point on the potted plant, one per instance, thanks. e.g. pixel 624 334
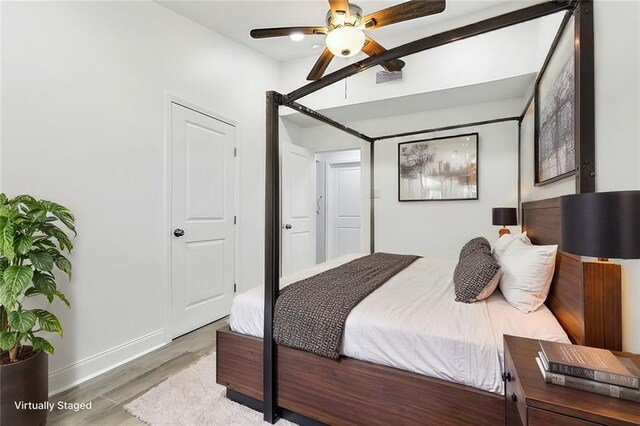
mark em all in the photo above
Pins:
pixel 31 248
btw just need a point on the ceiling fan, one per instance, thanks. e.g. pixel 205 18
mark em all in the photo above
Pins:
pixel 346 26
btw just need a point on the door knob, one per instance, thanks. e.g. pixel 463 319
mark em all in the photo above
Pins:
pixel 287 226
pixel 178 232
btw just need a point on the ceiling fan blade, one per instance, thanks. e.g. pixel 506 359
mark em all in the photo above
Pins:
pixel 339 5
pixel 321 65
pixel 373 48
pixel 287 31
pixel 403 12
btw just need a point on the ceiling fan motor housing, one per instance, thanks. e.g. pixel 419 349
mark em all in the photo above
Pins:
pixel 352 17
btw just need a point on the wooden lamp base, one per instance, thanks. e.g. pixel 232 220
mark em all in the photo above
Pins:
pixel 503 230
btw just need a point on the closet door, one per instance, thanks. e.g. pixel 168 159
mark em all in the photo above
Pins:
pixel 344 194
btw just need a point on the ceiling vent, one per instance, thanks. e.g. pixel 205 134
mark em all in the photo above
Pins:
pixel 388 76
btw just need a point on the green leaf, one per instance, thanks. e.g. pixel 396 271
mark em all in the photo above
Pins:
pixel 62 213
pixel 32 291
pixel 4 264
pixel 4 211
pixel 6 240
pixel 62 298
pixel 22 321
pixel 43 242
pixel 17 277
pixel 40 344
pixel 27 200
pixel 58 234
pixel 48 321
pixel 63 264
pixel 7 296
pixel 3 198
pixel 44 284
pixel 23 244
pixel 8 340
pixel 41 259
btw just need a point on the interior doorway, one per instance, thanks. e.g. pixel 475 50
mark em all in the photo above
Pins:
pixel 338 204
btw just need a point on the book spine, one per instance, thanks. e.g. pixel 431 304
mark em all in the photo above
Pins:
pixel 593 386
pixel 590 374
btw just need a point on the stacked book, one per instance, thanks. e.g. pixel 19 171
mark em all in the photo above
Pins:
pixel 589 369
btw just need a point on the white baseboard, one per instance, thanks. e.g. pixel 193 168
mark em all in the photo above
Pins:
pixel 95 365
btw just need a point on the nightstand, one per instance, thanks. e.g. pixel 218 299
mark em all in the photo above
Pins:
pixel 531 401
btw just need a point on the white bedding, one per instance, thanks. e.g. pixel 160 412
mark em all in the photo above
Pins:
pixel 413 323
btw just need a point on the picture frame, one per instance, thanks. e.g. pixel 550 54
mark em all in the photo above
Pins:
pixel 554 113
pixel 439 169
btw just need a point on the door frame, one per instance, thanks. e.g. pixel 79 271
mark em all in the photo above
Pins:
pixel 168 101
pixel 328 166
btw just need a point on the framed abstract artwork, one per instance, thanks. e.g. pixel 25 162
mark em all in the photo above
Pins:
pixel 439 169
pixel 555 95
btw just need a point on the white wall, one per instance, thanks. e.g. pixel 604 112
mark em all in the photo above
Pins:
pixel 82 124
pixel 439 229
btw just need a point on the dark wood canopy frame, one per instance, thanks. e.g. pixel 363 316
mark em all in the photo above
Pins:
pixel 570 307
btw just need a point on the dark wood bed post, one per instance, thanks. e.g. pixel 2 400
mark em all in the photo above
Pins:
pixel 585 98
pixel 372 201
pixel 272 254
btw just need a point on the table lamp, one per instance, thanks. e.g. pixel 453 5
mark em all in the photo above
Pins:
pixel 504 216
pixel 601 224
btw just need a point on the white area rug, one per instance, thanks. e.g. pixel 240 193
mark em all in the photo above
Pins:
pixel 192 397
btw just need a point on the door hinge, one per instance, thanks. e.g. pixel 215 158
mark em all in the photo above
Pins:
pixel 235 287
pixel 235 220
pixel 235 152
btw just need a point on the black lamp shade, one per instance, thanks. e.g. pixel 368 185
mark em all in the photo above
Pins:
pixel 505 216
pixel 601 224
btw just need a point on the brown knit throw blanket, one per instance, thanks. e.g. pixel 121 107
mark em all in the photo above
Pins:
pixel 310 314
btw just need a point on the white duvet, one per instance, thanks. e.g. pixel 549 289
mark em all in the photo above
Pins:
pixel 413 323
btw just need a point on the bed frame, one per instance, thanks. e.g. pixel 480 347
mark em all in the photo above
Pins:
pixel 280 380
pixel 584 297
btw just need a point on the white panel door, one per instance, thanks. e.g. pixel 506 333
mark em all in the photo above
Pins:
pixel 202 215
pixel 298 208
pixel 344 205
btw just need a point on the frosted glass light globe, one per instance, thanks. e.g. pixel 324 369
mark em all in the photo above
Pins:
pixel 345 41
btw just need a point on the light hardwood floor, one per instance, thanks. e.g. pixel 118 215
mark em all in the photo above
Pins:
pixel 111 391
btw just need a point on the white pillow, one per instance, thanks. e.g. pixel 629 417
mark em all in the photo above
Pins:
pixel 505 241
pixel 527 271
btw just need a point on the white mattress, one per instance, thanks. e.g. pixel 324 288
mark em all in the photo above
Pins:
pixel 413 323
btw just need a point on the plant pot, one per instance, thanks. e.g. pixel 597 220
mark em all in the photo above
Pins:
pixel 24 381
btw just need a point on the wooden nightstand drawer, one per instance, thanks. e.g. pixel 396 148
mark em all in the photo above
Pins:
pixel 536 417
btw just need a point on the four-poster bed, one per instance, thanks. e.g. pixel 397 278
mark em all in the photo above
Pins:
pixel 282 381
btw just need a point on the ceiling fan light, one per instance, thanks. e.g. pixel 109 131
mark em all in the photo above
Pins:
pixel 345 41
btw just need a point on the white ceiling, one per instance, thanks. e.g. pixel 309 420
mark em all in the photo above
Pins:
pixel 509 88
pixel 234 19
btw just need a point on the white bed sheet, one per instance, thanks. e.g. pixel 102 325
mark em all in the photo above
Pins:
pixel 412 322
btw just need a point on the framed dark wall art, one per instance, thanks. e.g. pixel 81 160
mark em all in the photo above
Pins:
pixel 438 169
pixel 554 134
